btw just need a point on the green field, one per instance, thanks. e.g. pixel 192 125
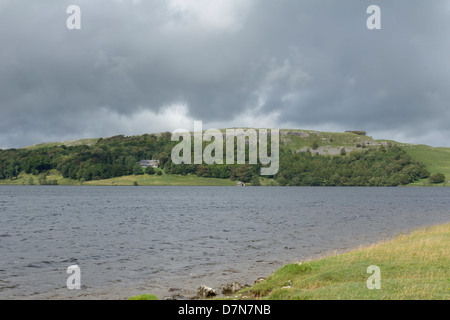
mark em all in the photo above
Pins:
pixel 164 180
pixel 435 159
pixel 24 179
pixel 413 266
pixel 143 180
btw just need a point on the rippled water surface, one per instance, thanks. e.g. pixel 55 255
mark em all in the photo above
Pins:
pixel 132 240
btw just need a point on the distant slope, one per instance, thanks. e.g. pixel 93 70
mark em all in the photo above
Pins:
pixel 325 143
pixel 67 143
pixel 435 159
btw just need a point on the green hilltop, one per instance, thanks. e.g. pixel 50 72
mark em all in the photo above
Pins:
pixel 67 143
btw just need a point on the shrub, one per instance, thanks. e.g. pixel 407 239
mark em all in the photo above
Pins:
pixel 358 132
pixel 149 170
pixel 255 181
pixel 137 169
pixel 437 178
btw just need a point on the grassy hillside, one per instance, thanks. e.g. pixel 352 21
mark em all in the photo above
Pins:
pixel 435 159
pixel 322 143
pixel 327 142
pixel 68 143
pixel 294 138
pixel 413 266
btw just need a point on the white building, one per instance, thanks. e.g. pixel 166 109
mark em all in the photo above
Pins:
pixel 149 163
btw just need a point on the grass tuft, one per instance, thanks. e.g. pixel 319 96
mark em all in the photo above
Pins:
pixel 144 297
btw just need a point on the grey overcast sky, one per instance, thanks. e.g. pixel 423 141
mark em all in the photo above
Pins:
pixel 149 66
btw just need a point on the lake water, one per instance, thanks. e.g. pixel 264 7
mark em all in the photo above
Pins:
pixel 133 240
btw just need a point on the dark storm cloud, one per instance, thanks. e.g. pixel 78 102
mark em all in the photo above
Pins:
pixel 313 63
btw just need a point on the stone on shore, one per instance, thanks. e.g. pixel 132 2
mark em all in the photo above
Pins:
pixel 259 280
pixel 206 292
pixel 231 288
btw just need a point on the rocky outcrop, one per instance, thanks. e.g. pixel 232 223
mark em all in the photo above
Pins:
pixel 302 134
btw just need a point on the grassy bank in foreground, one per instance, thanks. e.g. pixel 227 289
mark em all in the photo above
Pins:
pixel 413 266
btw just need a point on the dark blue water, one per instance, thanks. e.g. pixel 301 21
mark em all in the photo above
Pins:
pixel 132 240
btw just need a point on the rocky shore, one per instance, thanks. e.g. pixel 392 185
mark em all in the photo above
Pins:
pixel 205 292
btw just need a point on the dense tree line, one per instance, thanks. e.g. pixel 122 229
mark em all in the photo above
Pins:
pixel 387 166
pixel 390 166
pixel 120 155
pixel 108 158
